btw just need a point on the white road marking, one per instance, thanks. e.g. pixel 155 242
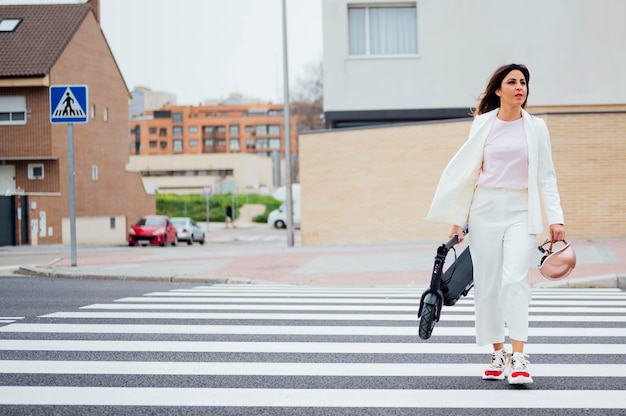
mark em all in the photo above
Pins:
pixel 310 316
pixel 264 397
pixel 321 301
pixel 296 347
pixel 294 369
pixel 171 304
pixel 289 330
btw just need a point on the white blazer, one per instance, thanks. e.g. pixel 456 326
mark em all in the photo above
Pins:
pixel 455 191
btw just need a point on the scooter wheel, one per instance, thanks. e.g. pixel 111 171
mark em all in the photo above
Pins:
pixel 427 320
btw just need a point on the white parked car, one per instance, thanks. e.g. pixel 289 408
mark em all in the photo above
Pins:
pixel 278 217
pixel 187 230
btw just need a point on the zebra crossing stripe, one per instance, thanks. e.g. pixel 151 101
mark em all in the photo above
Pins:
pixel 309 316
pixel 382 291
pixel 321 301
pixel 406 294
pixel 294 369
pixel 334 398
pixel 359 299
pixel 171 304
pixel 296 347
pixel 290 330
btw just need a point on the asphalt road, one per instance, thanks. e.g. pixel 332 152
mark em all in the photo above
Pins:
pixel 75 347
pixel 30 297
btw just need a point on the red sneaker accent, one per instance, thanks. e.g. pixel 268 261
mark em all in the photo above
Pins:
pixel 492 373
pixel 520 374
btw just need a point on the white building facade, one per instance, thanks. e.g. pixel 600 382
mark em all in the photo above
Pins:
pixel 389 61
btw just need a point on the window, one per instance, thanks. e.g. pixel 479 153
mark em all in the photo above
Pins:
pixel 249 129
pixel 153 144
pixel 261 143
pixel 177 118
pixel 94 173
pixel 221 129
pixel 152 130
pixel 178 145
pixel 193 143
pixel 234 131
pixel 256 112
pixel 163 131
pixel 208 143
pixel 273 129
pixel 105 115
pixel 35 171
pixel 382 30
pixel 177 131
pixel 163 144
pixel 234 144
pixel 13 110
pixel 261 130
pixel 208 129
pixel 193 129
pixel 250 144
pixel 274 143
pixel 9 25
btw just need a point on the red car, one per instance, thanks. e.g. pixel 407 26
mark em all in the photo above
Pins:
pixel 152 229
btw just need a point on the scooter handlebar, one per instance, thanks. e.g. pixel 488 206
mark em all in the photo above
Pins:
pixel 455 238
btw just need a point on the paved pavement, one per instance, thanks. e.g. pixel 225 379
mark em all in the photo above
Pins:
pixel 260 254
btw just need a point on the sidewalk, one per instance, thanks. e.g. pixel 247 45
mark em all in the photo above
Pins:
pixel 240 256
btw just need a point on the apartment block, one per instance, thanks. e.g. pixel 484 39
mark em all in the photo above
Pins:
pixel 254 128
pixel 231 146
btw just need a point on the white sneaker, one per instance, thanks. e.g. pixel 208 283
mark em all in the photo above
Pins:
pixel 517 371
pixel 499 362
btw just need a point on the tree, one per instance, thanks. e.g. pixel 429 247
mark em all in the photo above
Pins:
pixel 307 104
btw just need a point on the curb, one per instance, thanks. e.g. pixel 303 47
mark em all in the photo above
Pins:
pixel 592 282
pixel 57 274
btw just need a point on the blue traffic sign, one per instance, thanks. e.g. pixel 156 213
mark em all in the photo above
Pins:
pixel 68 104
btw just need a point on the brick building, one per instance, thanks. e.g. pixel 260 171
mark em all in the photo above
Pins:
pixel 224 128
pixel 211 132
pixel 63 44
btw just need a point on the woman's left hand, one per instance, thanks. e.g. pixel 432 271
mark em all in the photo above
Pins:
pixel 557 232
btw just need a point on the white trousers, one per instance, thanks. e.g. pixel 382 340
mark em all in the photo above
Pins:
pixel 501 248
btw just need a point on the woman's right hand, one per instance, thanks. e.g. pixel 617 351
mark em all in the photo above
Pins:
pixel 457 230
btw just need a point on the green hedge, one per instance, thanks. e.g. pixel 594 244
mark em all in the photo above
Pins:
pixel 194 205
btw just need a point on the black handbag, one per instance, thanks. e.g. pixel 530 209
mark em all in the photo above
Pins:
pixel 458 278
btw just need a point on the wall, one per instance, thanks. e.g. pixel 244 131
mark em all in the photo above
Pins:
pixel 97 230
pixel 568 45
pixel 250 172
pixel 376 184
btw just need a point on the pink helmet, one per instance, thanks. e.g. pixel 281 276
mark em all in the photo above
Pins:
pixel 556 265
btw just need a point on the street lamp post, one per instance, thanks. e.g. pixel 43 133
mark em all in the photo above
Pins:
pixel 289 201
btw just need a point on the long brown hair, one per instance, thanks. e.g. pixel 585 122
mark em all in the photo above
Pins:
pixel 489 100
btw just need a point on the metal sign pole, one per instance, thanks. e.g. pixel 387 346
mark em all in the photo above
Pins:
pixel 289 201
pixel 70 168
pixel 68 105
pixel 208 212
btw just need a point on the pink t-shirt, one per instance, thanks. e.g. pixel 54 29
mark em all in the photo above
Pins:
pixel 505 157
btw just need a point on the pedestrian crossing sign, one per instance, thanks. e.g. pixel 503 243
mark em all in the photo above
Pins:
pixel 68 104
